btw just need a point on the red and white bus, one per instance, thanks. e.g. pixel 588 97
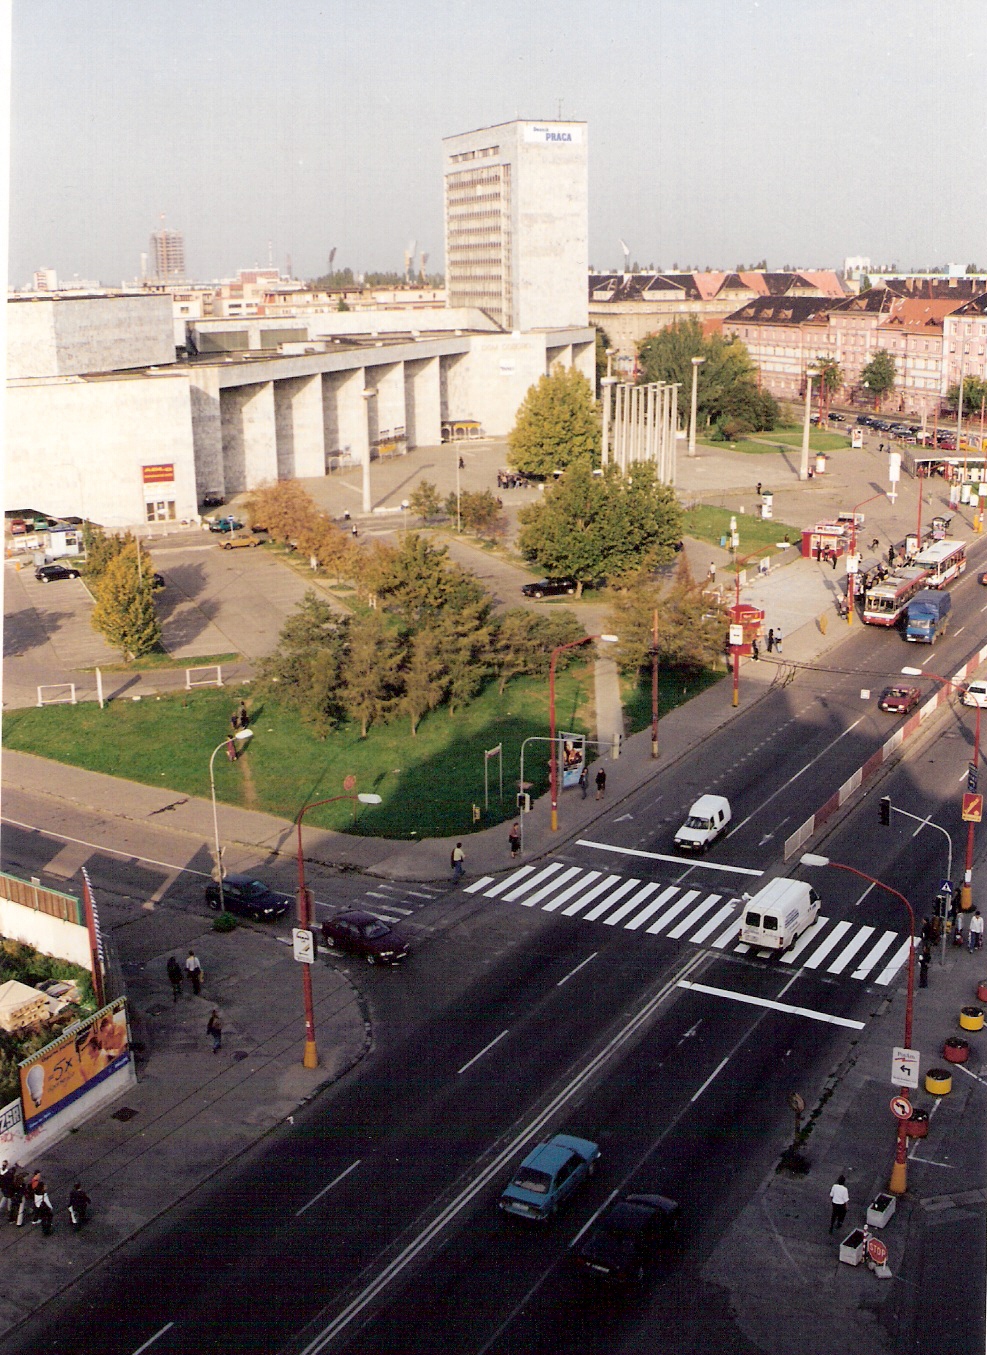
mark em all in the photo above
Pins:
pixel 943 562
pixel 885 602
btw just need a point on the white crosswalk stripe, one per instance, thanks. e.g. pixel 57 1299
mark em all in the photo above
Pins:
pixel 838 948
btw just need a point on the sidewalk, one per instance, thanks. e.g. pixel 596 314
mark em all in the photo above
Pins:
pixel 777 1261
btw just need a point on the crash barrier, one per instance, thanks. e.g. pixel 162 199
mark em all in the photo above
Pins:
pixel 64 694
pixel 192 678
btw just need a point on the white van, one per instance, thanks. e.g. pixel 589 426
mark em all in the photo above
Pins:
pixel 778 914
pixel 976 693
pixel 708 820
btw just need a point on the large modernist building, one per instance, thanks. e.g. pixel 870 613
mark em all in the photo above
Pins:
pixel 516 201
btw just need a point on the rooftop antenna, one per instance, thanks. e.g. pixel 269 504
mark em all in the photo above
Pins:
pixel 560 111
pixel 627 256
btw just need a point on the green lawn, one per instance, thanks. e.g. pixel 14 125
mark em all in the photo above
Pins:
pixel 759 443
pixel 708 523
pixel 674 689
pixel 428 784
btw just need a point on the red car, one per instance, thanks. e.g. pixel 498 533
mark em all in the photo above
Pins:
pixel 899 700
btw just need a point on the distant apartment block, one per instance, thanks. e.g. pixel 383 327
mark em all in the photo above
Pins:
pixel 168 255
pixel 45 280
pixel 516 223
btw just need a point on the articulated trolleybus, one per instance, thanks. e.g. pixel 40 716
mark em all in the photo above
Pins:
pixel 885 602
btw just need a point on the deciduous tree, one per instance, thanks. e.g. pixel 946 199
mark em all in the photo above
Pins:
pixel 523 641
pixel 425 501
pixel 726 384
pixel 304 669
pixel 557 424
pixel 879 376
pixel 691 628
pixel 124 610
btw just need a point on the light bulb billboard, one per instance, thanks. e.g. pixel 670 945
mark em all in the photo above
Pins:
pixel 83 1056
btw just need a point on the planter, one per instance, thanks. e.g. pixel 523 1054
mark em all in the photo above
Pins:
pixel 880 1209
pixel 956 1050
pixel 982 991
pixel 972 1018
pixel 917 1124
pixel 938 1081
pixel 852 1248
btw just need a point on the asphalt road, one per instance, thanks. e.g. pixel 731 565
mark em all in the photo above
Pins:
pixel 372 1223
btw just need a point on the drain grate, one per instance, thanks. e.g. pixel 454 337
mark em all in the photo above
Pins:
pixel 124 1114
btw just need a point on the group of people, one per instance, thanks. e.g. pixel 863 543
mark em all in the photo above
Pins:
pixel 193 969
pixel 510 479
pixel 932 933
pixel 22 1196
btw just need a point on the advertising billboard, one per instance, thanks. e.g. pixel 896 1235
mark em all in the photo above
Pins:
pixel 572 757
pixel 82 1057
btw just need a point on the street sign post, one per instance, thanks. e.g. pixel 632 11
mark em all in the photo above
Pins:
pixel 946 888
pixel 973 807
pixel 904 1068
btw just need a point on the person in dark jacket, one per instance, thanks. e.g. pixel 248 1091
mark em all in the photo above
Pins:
pixel 175 977
pixel 79 1203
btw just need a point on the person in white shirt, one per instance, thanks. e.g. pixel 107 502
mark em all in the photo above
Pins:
pixel 976 931
pixel 840 1197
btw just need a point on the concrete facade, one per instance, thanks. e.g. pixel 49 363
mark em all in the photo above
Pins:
pixel 79 335
pixel 516 223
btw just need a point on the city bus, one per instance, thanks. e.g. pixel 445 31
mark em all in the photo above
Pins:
pixel 885 602
pixel 943 562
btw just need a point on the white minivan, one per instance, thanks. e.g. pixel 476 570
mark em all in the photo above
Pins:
pixel 778 914
pixel 976 693
pixel 708 819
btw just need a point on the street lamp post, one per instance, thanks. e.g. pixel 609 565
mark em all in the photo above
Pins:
pixel 851 575
pixel 810 372
pixel 696 364
pixel 899 1172
pixel 368 395
pixel 654 684
pixel 966 889
pixel 310 1059
pixel 241 736
pixel 553 750
pixel 735 649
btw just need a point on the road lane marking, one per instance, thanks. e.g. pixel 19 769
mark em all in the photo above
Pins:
pixel 657 856
pixel 824 947
pixel 873 955
pixel 577 968
pixel 577 905
pixel 848 952
pixel 671 913
pixel 167 1327
pixel 479 884
pixel 545 873
pixel 573 889
pixel 808 938
pixel 630 904
pixel 710 927
pixel 781 789
pixel 639 919
pixel 690 919
pixel 496 1164
pixel 325 1189
pixel 496 1040
pixel 611 899
pixel 723 1063
pixel 786 1007
pixel 544 893
pixel 897 960
pixel 504 884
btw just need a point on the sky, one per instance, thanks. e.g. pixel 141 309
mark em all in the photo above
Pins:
pixel 720 132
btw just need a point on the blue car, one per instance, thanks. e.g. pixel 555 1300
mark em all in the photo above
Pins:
pixel 548 1176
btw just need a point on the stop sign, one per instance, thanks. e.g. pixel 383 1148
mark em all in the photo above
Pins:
pixel 877 1251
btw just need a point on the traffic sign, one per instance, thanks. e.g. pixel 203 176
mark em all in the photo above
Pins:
pixel 973 808
pixel 901 1107
pixel 946 888
pixel 877 1251
pixel 303 944
pixel 904 1068
pixel 971 776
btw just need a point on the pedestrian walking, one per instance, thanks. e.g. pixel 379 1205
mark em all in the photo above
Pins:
pixel 924 960
pixel 758 489
pixel 514 840
pixel 194 970
pixel 833 558
pixel 79 1203
pixel 584 780
pixel 8 1170
pixel 771 639
pixel 457 859
pixel 214 1027
pixel 712 571
pixel 175 977
pixel 755 651
pixel 18 1199
pixel 43 1212
pixel 243 717
pixel 778 641
pixel 958 929
pixel 231 749
pixel 891 555
pixel 601 783
pixel 976 931
pixel 840 1197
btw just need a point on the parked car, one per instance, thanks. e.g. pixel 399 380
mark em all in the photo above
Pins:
pixel 212 501
pixel 982 577
pixel 364 934
pixel 865 420
pixel 836 418
pixel 248 898
pixel 51 573
pixel 628 1236
pixel 549 588
pixel 225 525
pixel 899 700
pixel 235 540
pixel 18 527
pixel 548 1176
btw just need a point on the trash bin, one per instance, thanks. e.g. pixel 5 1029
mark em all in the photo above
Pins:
pixel 956 1050
pixel 938 1082
pixel 972 1018
pixel 821 459
pixel 917 1124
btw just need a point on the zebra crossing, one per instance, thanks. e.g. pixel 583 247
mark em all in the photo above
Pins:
pixel 393 902
pixel 846 949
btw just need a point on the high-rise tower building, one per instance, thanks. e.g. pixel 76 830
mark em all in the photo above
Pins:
pixel 168 254
pixel 516 201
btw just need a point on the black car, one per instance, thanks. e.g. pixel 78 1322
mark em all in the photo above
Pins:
pixel 836 418
pixel 549 588
pixel 626 1238
pixel 364 934
pixel 865 420
pixel 50 573
pixel 212 501
pixel 249 898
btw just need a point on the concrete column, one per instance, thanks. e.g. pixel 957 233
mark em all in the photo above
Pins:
pixel 350 422
pixel 388 381
pixel 298 419
pixel 207 432
pixel 249 439
pixel 423 402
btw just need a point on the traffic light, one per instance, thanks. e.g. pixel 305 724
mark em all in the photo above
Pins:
pixel 885 810
pixel 971 777
pixel 524 802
